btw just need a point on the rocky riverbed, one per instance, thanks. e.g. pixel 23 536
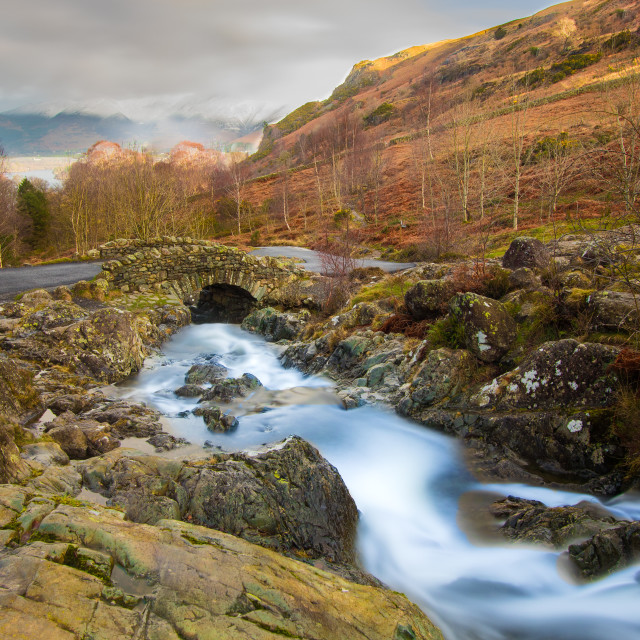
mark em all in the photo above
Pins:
pixel 137 541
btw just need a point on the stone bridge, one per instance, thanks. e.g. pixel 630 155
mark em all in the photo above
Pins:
pixel 221 284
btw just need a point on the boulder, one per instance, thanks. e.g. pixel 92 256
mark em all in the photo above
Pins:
pixel 428 298
pixel 189 391
pixel 607 551
pixel 557 375
pixel 489 330
pixel 275 325
pixel 526 252
pixel 614 311
pixel 288 498
pixel 45 453
pixel 231 388
pixel 216 420
pixel 36 297
pixel 555 527
pixel 524 278
pixel 55 314
pixel 443 374
pixel 81 438
pixel 72 441
pixel 203 373
pixel 19 399
pixel 127 419
pixel 105 345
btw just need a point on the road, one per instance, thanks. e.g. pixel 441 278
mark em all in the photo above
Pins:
pixel 312 260
pixel 16 280
pixel 49 276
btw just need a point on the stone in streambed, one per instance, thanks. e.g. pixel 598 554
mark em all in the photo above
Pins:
pixel 215 419
pixel 203 373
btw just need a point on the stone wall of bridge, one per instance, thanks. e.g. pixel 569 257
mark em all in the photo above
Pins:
pixel 186 267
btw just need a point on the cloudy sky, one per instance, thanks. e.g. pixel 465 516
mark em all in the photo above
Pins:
pixel 155 54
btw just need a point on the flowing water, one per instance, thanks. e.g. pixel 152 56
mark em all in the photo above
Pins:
pixel 414 496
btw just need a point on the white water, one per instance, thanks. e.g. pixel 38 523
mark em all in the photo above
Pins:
pixel 407 481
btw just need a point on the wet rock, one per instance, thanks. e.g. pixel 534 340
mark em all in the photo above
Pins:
pixel 526 252
pixel 607 551
pixel 428 298
pixel 444 373
pixel 275 325
pixel 166 442
pixel 189 391
pixel 127 420
pixel 231 388
pixel 215 419
pixel 203 373
pixel 532 521
pixel 288 498
pixel 489 330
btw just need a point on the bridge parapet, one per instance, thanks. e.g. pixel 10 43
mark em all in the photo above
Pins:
pixel 186 267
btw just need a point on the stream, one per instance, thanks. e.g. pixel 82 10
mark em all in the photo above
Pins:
pixel 409 483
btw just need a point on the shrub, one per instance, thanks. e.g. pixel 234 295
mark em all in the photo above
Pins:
pixel 499 33
pixel 380 114
pixel 405 324
pixel 447 332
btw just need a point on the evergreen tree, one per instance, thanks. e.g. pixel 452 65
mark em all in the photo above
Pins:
pixel 32 202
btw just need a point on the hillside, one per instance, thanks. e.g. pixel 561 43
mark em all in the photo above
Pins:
pixel 414 143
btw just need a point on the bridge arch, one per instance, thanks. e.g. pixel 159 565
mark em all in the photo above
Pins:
pixel 204 275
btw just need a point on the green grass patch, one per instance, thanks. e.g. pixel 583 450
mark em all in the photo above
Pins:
pixel 391 287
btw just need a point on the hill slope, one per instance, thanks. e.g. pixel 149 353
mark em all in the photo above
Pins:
pixel 432 131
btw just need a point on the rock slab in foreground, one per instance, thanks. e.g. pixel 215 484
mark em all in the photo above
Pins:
pixel 177 580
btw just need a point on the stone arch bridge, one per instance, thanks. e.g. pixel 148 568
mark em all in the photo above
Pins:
pixel 220 283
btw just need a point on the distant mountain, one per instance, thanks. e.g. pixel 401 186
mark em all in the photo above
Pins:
pixel 71 128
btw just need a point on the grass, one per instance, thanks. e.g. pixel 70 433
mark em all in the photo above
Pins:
pixel 391 287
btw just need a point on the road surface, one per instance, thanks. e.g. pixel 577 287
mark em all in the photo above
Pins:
pixel 19 279
pixel 312 259
pixel 48 276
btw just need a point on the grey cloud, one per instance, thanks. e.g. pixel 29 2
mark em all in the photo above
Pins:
pixel 282 51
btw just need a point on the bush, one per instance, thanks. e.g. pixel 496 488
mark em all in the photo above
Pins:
pixel 380 114
pixel 499 33
pixel 447 332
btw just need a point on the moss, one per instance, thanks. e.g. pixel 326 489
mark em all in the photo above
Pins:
pixel 69 501
pixel 75 560
pixel 38 536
